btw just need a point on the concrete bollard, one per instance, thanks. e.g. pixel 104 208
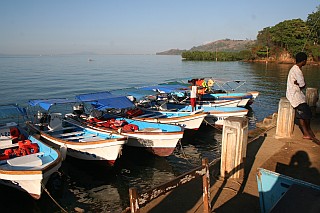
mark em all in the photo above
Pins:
pixel 234 147
pixel 285 120
pixel 312 96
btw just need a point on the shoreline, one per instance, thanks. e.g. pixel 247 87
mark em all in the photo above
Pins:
pixel 309 63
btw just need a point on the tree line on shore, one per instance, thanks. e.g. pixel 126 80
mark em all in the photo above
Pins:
pixel 279 42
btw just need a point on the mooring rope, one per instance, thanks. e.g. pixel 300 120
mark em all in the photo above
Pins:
pixel 212 125
pixel 183 153
pixel 45 189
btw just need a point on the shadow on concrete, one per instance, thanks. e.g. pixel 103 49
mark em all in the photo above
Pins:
pixel 300 168
pixel 186 197
pixel 181 199
pixel 242 202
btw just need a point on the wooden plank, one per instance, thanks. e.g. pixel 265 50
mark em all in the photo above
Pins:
pixel 166 187
pixel 134 204
pixel 158 116
pixel 27 160
pixel 91 139
pixel 67 134
pixel 65 128
pixel 7 146
pixel 145 115
pixel 206 187
pixel 73 138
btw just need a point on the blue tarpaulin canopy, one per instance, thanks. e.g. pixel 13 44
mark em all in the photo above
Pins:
pixel 7 111
pixel 106 100
pixel 133 91
pixel 94 96
pixel 47 103
pixel 165 88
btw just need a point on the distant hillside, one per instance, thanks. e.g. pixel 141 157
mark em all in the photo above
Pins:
pixel 171 52
pixel 225 45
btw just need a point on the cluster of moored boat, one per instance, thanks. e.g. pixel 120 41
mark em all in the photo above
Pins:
pixel 97 125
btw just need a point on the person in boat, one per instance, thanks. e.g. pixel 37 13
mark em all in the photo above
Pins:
pixel 297 99
pixel 210 84
pixel 193 94
pixel 201 87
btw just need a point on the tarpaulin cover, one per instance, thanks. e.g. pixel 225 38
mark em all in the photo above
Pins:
pixel 47 103
pixel 120 102
pixel 106 100
pixel 135 92
pixel 7 111
pixel 165 88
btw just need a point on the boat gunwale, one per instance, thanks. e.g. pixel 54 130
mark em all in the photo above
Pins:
pixel 59 140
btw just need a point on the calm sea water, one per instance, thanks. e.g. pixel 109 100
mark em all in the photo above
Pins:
pixel 94 187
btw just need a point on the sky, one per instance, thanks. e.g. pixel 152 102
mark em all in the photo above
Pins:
pixel 136 26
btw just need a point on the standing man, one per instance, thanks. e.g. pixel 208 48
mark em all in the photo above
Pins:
pixel 193 94
pixel 297 99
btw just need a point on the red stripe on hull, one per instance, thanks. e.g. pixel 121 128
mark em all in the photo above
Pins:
pixel 111 162
pixel 160 151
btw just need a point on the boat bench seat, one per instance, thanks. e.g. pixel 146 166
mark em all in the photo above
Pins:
pixel 65 128
pixel 172 110
pixel 67 134
pixel 27 160
pixel 7 146
pixel 145 115
pixel 80 137
pixel 150 129
pixel 158 116
pixel 5 142
pixel 73 138
pixel 90 139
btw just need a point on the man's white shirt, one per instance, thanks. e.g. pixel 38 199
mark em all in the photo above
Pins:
pixel 294 94
pixel 193 92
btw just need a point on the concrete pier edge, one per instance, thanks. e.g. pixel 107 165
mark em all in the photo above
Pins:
pixel 264 151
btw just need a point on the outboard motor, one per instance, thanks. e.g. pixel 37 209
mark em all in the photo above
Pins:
pixel 78 110
pixel 43 119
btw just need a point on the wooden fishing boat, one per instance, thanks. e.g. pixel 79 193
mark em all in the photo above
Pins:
pixel 26 163
pixel 159 139
pixel 281 193
pixel 75 140
pixel 173 93
pixel 214 90
pixel 106 100
pixel 188 120
pixel 214 116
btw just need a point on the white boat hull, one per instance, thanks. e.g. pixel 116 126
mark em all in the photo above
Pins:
pixel 153 139
pixel 188 122
pixel 226 103
pixel 217 117
pixel 31 183
pixel 108 151
pixel 157 143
